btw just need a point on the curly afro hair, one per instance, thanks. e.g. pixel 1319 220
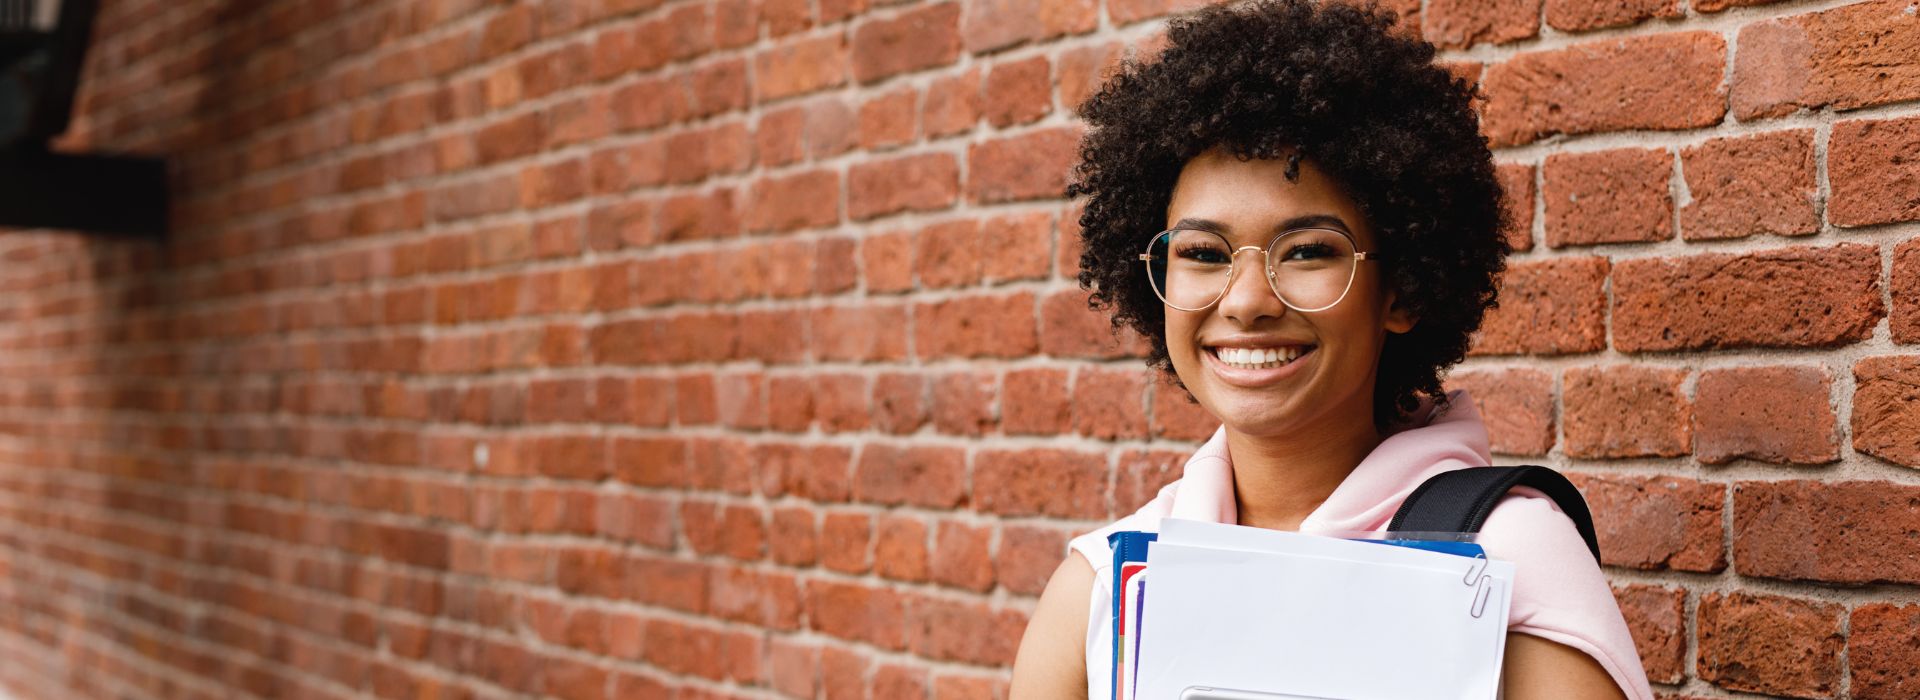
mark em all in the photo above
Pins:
pixel 1337 85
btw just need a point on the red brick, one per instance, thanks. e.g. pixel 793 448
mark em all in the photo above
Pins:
pixel 843 674
pixel 962 556
pixel 1770 644
pixel 888 260
pixel 949 254
pixel 813 472
pixel 840 402
pixel 783 17
pixel 1018 92
pixel 859 333
pixel 1083 69
pixel 1516 405
pixel 1656 522
pixel 1662 81
pixel 1657 617
pixel 1455 24
pixel 1587 15
pixel 793 668
pixel 1071 329
pixel 709 214
pixel 1886 408
pixel 1110 404
pixel 1848 57
pixel 905 682
pixel 956 687
pixel 1035 402
pixel 952 105
pixel 915 39
pixel 1033 165
pixel 965 403
pixel 922 182
pixel 1176 416
pixel 1881 653
pixel 766 600
pixel 899 402
pixel 1027 556
pixel 967 632
pixel 846 542
pixel 1551 306
pixel 799 67
pixel 1744 185
pixel 1905 291
pixel 975 326
pixel 932 477
pixel 1123 12
pixel 779 138
pixel 1626 411
pixel 787 202
pixel 1874 177
pixel 1518 194
pixel 900 548
pixel 1617 196
pixel 798 542
pixel 1720 5
pixel 1787 297
pixel 890 119
pixel 1772 414
pixel 989 25
pixel 1016 246
pixel 1050 482
pixel 1840 532
pixel 856 612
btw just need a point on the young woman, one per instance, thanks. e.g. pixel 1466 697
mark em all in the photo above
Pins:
pixel 1294 205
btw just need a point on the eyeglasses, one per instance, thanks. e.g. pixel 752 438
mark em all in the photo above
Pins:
pixel 1310 269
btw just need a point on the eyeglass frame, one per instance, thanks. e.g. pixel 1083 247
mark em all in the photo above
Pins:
pixel 1266 263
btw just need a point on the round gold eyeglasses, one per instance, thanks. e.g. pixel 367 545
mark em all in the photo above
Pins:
pixel 1309 269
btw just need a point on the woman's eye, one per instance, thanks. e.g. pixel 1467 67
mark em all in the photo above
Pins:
pixel 1307 252
pixel 1202 254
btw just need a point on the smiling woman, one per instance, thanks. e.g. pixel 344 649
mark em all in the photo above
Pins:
pixel 1295 207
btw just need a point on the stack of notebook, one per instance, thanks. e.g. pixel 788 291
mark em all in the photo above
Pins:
pixel 1240 612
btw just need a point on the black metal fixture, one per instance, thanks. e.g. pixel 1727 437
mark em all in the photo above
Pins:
pixel 43 44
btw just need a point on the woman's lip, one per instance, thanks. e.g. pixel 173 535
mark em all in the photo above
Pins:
pixel 1253 378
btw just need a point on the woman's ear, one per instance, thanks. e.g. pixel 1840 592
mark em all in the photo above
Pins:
pixel 1398 318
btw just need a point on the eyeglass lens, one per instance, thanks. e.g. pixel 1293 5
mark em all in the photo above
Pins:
pixel 1309 269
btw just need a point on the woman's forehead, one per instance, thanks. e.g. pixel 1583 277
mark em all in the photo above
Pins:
pixel 1254 197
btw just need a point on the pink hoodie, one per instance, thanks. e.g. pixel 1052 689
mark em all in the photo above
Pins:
pixel 1559 592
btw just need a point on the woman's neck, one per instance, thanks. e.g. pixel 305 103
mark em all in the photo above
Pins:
pixel 1279 480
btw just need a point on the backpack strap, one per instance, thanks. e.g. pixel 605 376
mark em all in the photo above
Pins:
pixel 1460 500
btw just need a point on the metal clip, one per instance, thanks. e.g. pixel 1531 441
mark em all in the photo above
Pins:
pixel 1480 597
pixel 1479 565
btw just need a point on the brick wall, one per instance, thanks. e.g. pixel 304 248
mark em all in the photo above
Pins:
pixel 728 348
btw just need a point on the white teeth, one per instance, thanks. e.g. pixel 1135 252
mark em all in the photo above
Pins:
pixel 1258 358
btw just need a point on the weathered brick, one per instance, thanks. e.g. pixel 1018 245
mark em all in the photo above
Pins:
pixel 1872 171
pixel 857 612
pixel 1027 556
pixel 963 556
pixel 895 681
pixel 919 182
pixel 1662 81
pixel 949 254
pixel 1456 24
pixel 990 25
pixel 859 333
pixel 800 67
pixel 1036 402
pixel 1839 532
pixel 1517 190
pixel 900 548
pixel 931 477
pixel 1626 411
pixel 1124 12
pixel 1033 165
pixel 975 326
pixel 1848 57
pixel 1787 297
pixel 952 105
pixel 1516 405
pixel 899 402
pixel 1050 482
pixel 1016 246
pixel 915 39
pixel 1743 185
pixel 1657 617
pixel 803 200
pixel 890 119
pixel 1083 69
pixel 1881 651
pixel 966 403
pixel 1617 196
pixel 1018 92
pixel 1070 329
pixel 1905 291
pixel 1886 408
pixel 1770 644
pixel 1551 306
pixel 1772 414
pixel 969 632
pixel 846 542
pixel 1110 404
pixel 1587 15
pixel 1656 522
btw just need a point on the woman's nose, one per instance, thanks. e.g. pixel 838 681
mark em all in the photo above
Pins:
pixel 1249 298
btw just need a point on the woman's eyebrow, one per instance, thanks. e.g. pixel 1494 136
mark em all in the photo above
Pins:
pixel 1301 221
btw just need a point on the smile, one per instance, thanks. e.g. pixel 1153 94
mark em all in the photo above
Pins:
pixel 1259 358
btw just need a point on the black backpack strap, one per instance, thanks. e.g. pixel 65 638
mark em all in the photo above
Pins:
pixel 1460 500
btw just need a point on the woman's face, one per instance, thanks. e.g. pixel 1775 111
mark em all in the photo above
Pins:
pixel 1330 382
